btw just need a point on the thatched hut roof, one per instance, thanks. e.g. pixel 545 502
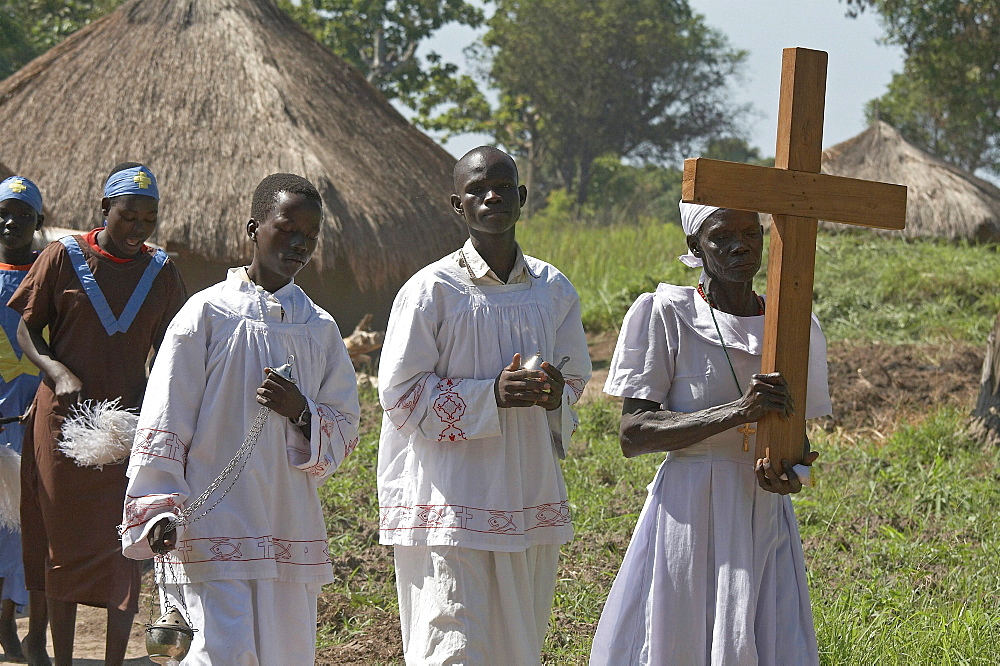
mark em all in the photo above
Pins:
pixel 941 199
pixel 213 95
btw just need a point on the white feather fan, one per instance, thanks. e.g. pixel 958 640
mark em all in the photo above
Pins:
pixel 98 433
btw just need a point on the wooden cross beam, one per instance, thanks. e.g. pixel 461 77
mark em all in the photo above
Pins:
pixel 796 194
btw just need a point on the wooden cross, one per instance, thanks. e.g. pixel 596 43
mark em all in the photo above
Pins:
pixel 796 194
pixel 142 180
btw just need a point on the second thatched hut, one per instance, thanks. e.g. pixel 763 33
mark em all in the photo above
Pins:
pixel 941 200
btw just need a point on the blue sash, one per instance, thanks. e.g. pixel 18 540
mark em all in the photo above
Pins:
pixel 111 323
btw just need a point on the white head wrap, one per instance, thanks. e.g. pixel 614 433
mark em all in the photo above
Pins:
pixel 692 217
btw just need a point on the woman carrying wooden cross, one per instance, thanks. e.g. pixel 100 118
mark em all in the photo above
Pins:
pixel 714 573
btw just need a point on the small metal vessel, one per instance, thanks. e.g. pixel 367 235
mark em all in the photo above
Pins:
pixel 169 638
pixel 286 370
pixel 533 363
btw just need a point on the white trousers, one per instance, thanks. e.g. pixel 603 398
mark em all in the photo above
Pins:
pixel 465 606
pixel 250 622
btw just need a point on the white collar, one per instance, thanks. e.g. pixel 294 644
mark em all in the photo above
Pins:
pixel 478 268
pixel 240 279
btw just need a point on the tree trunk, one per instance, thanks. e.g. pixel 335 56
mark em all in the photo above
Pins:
pixel 985 425
pixel 529 177
pixel 583 184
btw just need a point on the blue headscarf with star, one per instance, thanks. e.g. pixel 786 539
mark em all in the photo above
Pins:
pixel 135 180
pixel 22 189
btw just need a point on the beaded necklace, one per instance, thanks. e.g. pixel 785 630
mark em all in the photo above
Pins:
pixel 746 429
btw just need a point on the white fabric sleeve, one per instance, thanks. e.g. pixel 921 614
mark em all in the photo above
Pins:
pixel 571 342
pixel 157 486
pixel 416 399
pixel 818 388
pixel 642 365
pixel 335 414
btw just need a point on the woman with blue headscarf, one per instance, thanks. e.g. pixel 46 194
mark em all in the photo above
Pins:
pixel 714 573
pixel 20 217
pixel 106 299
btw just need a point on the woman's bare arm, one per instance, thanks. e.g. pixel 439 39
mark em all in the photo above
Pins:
pixel 66 385
pixel 647 428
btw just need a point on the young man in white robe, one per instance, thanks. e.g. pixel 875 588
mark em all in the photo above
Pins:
pixel 246 571
pixel 470 490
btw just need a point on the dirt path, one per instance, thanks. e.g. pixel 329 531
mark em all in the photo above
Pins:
pixel 89 647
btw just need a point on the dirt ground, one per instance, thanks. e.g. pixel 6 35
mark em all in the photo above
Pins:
pixel 874 388
pixel 89 645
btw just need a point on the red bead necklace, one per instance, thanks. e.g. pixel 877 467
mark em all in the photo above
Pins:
pixel 760 301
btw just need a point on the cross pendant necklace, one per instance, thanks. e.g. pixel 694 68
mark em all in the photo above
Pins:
pixel 746 429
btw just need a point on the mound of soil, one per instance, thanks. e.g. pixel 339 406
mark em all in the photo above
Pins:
pixel 875 387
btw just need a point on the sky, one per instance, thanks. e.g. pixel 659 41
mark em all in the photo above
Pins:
pixel 859 67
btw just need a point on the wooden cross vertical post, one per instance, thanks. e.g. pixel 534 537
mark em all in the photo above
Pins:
pixel 796 194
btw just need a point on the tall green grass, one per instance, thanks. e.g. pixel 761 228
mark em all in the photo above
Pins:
pixel 867 288
pixel 896 290
pixel 903 543
pixel 609 266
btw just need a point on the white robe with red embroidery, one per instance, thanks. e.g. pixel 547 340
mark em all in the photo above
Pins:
pixel 197 411
pixel 453 468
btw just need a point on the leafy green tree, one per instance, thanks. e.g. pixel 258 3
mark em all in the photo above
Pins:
pixel 947 98
pixel 622 193
pixel 579 79
pixel 735 149
pixel 15 47
pixel 381 37
pixel 28 28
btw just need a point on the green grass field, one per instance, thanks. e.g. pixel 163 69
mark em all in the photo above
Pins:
pixel 867 287
pixel 901 535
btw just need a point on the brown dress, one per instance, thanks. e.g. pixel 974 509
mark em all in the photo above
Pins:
pixel 70 514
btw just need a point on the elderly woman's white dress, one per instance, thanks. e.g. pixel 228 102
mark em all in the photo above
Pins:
pixel 714 573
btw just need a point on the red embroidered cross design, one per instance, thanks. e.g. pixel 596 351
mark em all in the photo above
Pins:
pixel 160 444
pixel 450 408
pixel 267 545
pixel 463 515
pixel 183 551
